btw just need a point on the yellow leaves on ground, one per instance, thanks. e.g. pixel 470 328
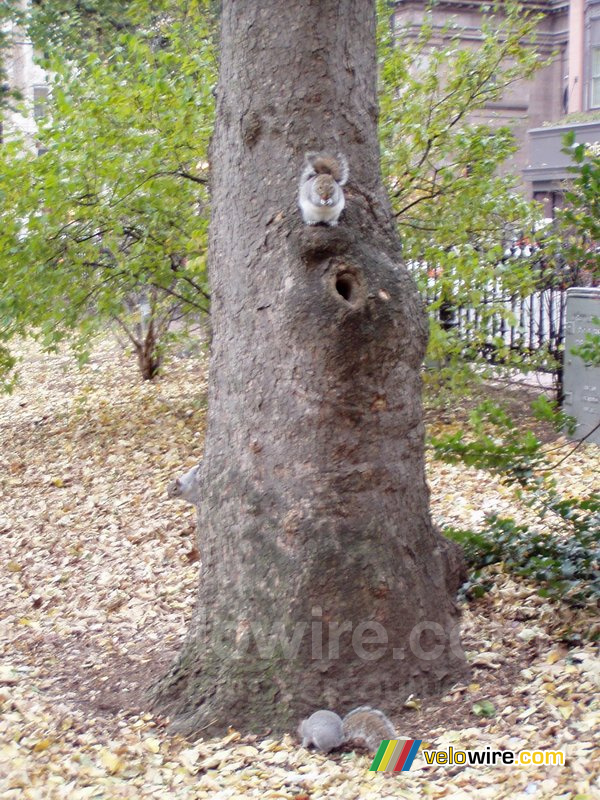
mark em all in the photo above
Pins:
pixel 97 587
pixel 111 761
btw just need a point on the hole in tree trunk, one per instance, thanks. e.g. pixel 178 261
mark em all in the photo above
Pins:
pixel 347 284
pixel 344 286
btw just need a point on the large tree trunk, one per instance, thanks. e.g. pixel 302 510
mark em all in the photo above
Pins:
pixel 323 582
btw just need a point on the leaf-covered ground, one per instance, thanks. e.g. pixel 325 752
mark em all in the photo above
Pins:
pixel 97 582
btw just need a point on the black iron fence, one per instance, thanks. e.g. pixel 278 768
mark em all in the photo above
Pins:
pixel 535 323
pixel 502 322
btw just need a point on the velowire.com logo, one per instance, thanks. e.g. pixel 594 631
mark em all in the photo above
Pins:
pixel 395 755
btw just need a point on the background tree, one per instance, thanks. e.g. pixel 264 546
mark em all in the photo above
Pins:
pixel 75 28
pixel 579 219
pixel 454 202
pixel 109 221
pixel 10 14
pixel 142 134
pixel 573 248
pixel 314 528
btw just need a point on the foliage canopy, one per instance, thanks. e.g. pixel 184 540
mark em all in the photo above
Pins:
pixel 108 220
pixel 457 207
pixel 114 212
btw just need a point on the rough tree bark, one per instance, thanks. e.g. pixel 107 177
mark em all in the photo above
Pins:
pixel 315 519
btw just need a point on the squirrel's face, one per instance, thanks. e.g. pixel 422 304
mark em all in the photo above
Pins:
pixel 326 190
pixel 174 488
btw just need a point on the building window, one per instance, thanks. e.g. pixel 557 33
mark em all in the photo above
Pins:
pixel 40 100
pixel 595 83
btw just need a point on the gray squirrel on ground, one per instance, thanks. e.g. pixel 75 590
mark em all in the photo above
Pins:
pixel 187 487
pixel 364 726
pixel 321 198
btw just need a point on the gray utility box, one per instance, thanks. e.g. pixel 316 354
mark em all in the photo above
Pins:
pixel 581 382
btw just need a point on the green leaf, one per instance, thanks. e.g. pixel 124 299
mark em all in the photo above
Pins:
pixel 484 708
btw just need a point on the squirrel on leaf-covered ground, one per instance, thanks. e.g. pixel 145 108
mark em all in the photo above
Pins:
pixel 187 487
pixel 321 198
pixel 364 726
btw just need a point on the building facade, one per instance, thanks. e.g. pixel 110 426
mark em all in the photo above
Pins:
pixel 29 79
pixel 563 94
pixel 547 167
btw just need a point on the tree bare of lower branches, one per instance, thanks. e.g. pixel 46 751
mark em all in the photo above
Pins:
pixel 323 582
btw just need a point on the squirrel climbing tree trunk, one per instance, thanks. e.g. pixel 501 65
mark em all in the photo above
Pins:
pixel 323 582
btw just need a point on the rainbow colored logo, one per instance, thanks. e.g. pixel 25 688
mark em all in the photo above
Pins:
pixel 395 755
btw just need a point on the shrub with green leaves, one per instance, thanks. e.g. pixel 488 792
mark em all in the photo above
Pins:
pixel 562 554
pixel 565 565
pixel 495 443
pixel 589 349
pixel 573 246
pixel 108 222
